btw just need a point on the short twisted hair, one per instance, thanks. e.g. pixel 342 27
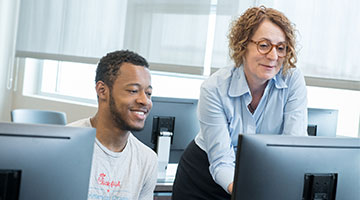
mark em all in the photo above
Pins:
pixel 243 28
pixel 109 65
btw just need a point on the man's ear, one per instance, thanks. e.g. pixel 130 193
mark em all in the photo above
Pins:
pixel 102 91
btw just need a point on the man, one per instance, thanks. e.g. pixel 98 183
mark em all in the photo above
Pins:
pixel 122 166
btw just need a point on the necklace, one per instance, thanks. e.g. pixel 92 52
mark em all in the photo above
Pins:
pixel 251 109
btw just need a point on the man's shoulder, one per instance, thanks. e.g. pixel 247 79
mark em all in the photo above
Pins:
pixel 141 147
pixel 81 123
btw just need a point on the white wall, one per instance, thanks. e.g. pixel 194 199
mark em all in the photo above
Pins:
pixel 9 10
pixel 345 101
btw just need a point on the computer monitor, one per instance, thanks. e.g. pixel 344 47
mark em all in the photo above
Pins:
pixel 186 124
pixel 322 122
pixel 295 167
pixel 45 161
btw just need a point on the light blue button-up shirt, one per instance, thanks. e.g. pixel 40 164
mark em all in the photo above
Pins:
pixel 223 114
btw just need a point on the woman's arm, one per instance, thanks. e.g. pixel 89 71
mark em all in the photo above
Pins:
pixel 216 137
pixel 295 111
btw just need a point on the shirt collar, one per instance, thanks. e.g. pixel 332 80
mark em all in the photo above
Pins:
pixel 279 80
pixel 239 86
pixel 238 83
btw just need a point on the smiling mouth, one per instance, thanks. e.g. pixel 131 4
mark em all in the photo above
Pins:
pixel 268 66
pixel 140 113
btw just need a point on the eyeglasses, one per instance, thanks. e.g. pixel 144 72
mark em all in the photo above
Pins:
pixel 265 46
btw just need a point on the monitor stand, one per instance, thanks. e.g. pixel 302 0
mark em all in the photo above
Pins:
pixel 163 152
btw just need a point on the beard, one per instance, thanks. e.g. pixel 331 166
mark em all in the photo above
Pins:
pixel 119 120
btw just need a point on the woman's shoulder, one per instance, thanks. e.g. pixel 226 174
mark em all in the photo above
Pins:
pixel 292 74
pixel 292 79
pixel 220 78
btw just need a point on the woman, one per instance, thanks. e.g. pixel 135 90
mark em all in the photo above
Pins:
pixel 263 94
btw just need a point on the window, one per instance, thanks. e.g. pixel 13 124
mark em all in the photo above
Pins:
pixel 327 36
pixel 175 36
pixel 76 81
pixel 66 38
pixel 68 79
pixel 59 79
pixel 185 36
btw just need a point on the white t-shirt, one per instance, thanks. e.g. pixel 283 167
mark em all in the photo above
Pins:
pixel 127 175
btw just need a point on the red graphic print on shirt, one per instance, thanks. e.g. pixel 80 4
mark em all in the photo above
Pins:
pixel 110 184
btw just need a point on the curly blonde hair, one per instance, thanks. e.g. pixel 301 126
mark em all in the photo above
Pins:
pixel 243 28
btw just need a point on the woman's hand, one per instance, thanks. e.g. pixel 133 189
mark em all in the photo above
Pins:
pixel 230 188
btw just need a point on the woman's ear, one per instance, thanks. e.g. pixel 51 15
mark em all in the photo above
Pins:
pixel 102 91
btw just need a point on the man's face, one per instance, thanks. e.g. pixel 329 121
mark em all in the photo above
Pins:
pixel 130 98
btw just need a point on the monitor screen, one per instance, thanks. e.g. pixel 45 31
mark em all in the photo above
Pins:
pixel 49 161
pixel 295 167
pixel 186 124
pixel 322 122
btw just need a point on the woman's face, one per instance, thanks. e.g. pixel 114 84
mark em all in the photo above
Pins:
pixel 260 68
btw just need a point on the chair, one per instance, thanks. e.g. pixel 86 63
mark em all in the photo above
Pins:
pixel 38 116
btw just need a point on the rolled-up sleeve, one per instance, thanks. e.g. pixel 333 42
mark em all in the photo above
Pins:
pixel 216 137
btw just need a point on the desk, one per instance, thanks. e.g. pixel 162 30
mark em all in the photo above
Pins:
pixel 163 189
